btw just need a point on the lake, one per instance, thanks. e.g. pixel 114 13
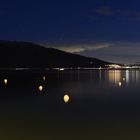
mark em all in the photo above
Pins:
pixel 102 104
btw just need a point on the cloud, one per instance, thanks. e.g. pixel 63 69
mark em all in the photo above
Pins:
pixel 121 52
pixel 112 51
pixel 106 11
pixel 115 14
pixel 83 47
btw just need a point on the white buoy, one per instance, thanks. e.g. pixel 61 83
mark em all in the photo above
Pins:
pixel 40 88
pixel 44 78
pixel 120 84
pixel 5 81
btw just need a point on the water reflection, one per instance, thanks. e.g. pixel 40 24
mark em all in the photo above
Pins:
pixel 93 104
pixel 114 76
pixel 75 81
pixel 127 76
pixel 137 76
pixel 124 76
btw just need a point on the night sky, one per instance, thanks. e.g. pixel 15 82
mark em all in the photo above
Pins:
pixel 106 29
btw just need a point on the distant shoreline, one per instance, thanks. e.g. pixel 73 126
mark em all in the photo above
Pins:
pixel 61 69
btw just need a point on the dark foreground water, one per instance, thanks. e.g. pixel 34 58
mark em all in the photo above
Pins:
pixel 103 105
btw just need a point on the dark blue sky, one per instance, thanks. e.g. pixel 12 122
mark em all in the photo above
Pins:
pixel 97 28
pixel 94 20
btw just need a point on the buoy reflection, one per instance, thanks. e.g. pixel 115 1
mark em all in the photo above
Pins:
pixel 66 98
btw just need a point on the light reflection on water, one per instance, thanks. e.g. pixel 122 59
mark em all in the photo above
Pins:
pixel 91 84
pixel 126 76
pixel 77 82
pixel 55 103
pixel 114 76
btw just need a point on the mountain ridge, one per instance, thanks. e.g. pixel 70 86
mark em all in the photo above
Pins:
pixel 14 54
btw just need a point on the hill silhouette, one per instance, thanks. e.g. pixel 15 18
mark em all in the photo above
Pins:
pixel 15 54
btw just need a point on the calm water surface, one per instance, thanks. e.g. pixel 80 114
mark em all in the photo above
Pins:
pixel 103 104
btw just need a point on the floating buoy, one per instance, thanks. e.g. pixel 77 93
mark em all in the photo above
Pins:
pixel 120 84
pixel 40 88
pixel 5 81
pixel 66 98
pixel 44 78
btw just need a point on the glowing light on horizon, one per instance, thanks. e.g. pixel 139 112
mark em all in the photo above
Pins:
pixel 100 68
pixel 61 69
pixel 114 66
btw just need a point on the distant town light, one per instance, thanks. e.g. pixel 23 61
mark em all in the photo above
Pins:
pixel 66 98
pixel 100 68
pixel 61 69
pixel 114 66
pixel 123 79
pixel 40 88
pixel 127 67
